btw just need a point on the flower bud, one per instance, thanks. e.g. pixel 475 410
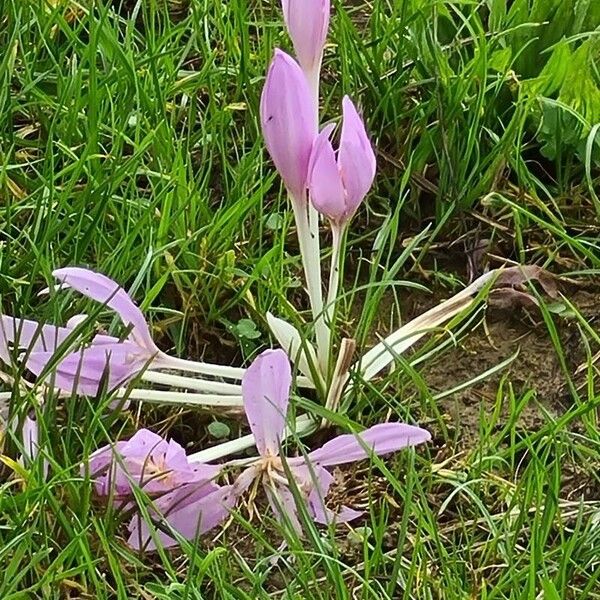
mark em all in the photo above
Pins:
pixel 288 121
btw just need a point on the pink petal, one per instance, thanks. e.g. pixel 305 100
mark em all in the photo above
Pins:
pixel 316 481
pixel 191 521
pixel 283 505
pixel 86 371
pixel 104 290
pixel 325 183
pixel 245 480
pixel 266 392
pixel 381 439
pixel 288 121
pixel 307 22
pixel 356 158
pixel 29 335
pixel 30 434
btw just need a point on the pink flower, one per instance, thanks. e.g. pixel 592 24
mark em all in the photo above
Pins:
pixel 265 388
pixel 161 469
pixel 307 22
pixel 288 121
pixel 107 360
pixel 339 184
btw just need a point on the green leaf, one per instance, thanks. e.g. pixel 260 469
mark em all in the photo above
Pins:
pixel 247 329
pixel 219 430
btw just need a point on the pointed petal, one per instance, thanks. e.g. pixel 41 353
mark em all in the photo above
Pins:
pixel 316 482
pixel 29 335
pixel 76 321
pixel 301 353
pixel 245 480
pixel 191 521
pixel 288 121
pixel 266 392
pixel 325 183
pixel 356 158
pixel 84 372
pixel 307 22
pixel 106 291
pixel 381 439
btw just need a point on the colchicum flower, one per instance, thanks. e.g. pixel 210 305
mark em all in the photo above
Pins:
pixel 338 185
pixel 185 497
pixel 266 389
pixel 160 469
pixel 106 360
pixel 307 22
pixel 288 121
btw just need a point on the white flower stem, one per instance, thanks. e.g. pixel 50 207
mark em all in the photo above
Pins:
pixel 304 425
pixel 311 262
pixel 202 385
pixel 191 383
pixel 192 366
pixel 334 281
pixel 180 398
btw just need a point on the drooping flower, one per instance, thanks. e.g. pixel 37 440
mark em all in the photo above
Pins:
pixel 107 360
pixel 160 469
pixel 288 121
pixel 338 185
pixel 265 389
pixel 307 22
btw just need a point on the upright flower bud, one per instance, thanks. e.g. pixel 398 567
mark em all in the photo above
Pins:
pixel 288 121
pixel 338 185
pixel 307 22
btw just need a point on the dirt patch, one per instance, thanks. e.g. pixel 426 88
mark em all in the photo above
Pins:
pixel 537 367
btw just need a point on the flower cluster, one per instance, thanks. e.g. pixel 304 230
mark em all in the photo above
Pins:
pixel 169 493
pixel 185 497
pixel 318 179
pixel 105 362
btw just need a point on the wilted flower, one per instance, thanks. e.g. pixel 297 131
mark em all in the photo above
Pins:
pixel 266 388
pixel 160 469
pixel 106 360
pixel 338 185
pixel 288 121
pixel 307 22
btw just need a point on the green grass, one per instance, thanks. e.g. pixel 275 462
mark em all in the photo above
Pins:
pixel 129 142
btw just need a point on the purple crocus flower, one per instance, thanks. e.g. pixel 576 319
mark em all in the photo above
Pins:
pixel 288 121
pixel 265 388
pixel 161 469
pixel 339 184
pixel 106 360
pixel 307 22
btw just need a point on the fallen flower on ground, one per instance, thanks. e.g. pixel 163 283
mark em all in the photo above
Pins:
pixel 106 362
pixel 266 390
pixel 185 495
pixel 159 468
